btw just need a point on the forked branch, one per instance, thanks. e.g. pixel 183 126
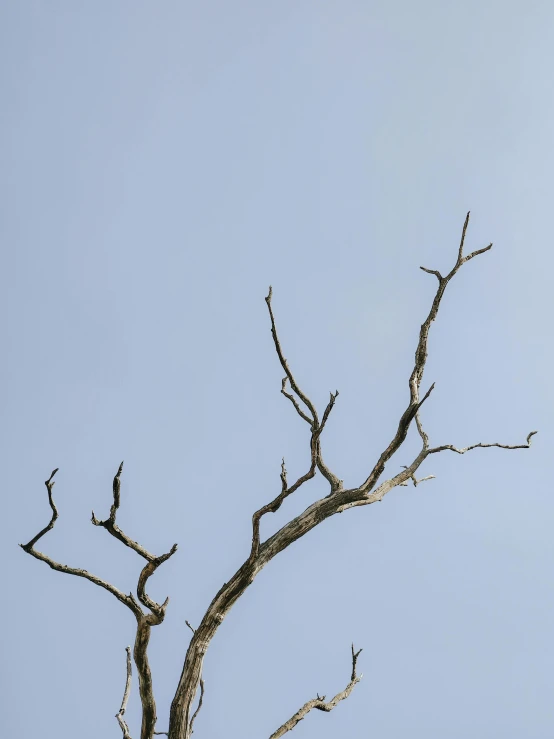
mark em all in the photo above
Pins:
pixel 127 600
pixel 144 620
pixel 316 427
pixel 420 361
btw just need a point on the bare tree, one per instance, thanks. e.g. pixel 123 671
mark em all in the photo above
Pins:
pixel 148 613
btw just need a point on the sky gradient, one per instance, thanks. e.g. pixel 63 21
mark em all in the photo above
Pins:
pixel 162 164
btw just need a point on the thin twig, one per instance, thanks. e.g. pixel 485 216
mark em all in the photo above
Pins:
pixel 304 398
pixel 316 461
pixel 293 400
pixel 415 481
pixel 463 450
pixel 126 693
pixel 195 714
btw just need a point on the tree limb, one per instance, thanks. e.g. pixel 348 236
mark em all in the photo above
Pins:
pixel 319 702
pixel 127 600
pixel 452 448
pixel 144 621
pixel 420 360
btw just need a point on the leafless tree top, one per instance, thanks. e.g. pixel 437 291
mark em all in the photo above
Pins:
pixel 338 499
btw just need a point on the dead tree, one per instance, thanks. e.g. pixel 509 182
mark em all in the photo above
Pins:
pixel 148 613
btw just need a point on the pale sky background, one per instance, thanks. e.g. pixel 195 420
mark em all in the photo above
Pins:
pixel 163 163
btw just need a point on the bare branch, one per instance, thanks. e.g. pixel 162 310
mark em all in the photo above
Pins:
pixel 304 398
pixel 49 485
pixel 432 272
pixel 420 362
pixel 313 421
pixel 116 492
pixel 315 445
pixel 414 480
pixel 319 702
pixel 127 600
pixel 463 450
pixel 339 500
pixel 293 400
pixel 331 478
pixel 144 621
pixel 275 504
pixel 111 526
pixel 126 693
pixel 328 409
pixel 421 431
pixel 462 240
pixel 195 714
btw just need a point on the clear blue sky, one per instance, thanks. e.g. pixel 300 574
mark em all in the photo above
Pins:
pixel 162 164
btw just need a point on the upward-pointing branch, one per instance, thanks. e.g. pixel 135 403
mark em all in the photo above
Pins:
pixel 420 360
